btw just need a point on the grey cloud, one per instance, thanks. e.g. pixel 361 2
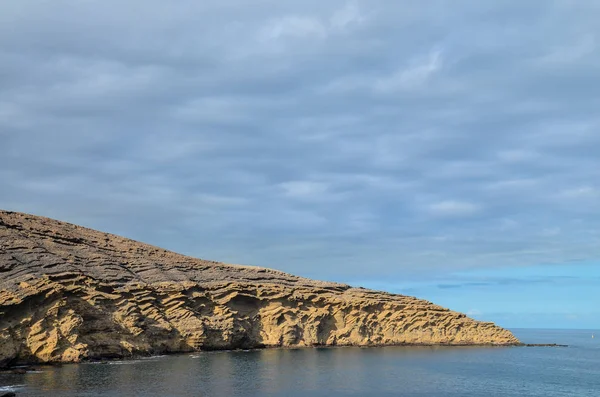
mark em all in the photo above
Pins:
pixel 352 136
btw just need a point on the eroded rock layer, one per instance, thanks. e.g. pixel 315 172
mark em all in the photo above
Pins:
pixel 68 293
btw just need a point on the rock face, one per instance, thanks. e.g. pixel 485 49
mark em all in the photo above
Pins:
pixel 68 293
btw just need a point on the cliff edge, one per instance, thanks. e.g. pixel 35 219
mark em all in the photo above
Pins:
pixel 68 293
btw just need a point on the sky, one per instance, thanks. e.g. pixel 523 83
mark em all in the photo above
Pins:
pixel 444 149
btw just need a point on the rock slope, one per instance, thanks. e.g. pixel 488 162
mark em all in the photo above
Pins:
pixel 68 293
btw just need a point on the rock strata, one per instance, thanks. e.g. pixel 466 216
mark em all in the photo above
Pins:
pixel 68 293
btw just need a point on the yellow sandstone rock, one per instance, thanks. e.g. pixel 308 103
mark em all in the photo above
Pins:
pixel 68 293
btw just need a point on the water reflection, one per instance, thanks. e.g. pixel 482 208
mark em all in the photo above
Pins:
pixel 421 371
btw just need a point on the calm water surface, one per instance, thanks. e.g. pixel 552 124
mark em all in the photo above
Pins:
pixel 390 371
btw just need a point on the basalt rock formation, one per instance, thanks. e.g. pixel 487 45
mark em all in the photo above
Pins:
pixel 68 293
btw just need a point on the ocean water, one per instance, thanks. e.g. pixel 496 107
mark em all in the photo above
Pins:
pixel 388 371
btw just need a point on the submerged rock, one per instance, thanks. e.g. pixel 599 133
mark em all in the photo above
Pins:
pixel 68 293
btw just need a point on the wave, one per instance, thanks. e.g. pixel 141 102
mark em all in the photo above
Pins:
pixel 11 388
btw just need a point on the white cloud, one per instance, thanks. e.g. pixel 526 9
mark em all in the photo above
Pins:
pixel 452 208
pixel 305 27
pixel 304 189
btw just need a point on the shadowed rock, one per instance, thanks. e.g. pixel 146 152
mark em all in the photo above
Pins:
pixel 68 293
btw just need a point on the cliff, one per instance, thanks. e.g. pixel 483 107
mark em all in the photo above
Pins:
pixel 68 293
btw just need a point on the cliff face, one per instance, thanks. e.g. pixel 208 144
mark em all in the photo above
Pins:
pixel 68 293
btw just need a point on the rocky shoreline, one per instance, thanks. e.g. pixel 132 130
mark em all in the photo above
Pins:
pixel 24 368
pixel 72 294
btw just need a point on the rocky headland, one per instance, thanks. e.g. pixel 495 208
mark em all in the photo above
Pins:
pixel 68 293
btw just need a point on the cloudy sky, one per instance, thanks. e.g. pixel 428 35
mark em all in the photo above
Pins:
pixel 444 149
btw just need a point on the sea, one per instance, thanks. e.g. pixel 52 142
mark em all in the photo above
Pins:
pixel 351 371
